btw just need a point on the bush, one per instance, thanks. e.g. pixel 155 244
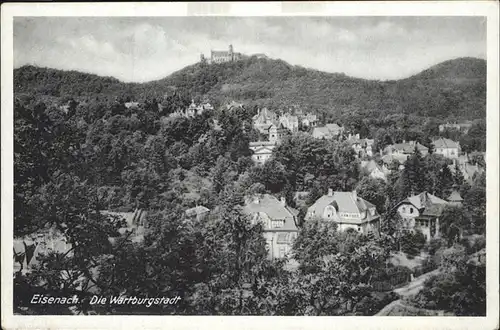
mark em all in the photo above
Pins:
pixel 412 243
pixel 435 244
pixel 371 305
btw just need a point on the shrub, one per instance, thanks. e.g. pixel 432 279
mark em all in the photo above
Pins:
pixel 412 243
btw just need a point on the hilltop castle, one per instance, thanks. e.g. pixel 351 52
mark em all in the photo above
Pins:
pixel 222 56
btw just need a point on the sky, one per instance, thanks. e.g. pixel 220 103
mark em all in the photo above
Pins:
pixel 140 49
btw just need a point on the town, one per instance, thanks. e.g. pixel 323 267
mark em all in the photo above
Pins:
pixel 419 219
pixel 225 165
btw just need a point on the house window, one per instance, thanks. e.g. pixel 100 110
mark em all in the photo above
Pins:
pixel 411 209
pixel 278 223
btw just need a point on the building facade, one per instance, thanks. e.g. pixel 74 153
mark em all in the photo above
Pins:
pixel 348 210
pixel 278 220
pixel 329 131
pixel 375 170
pixel 290 122
pixel 222 56
pixel 422 212
pixel 406 148
pixel 446 147
pixel 262 151
pixel 193 110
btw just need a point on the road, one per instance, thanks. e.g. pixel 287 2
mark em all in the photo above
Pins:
pixel 416 285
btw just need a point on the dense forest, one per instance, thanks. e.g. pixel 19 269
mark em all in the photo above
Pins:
pixel 455 89
pixel 80 150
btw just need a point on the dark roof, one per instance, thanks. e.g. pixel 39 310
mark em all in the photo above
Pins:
pixel 273 208
pixel 444 143
pixel 427 204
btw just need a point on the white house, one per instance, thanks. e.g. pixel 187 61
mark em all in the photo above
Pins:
pixel 446 147
pixel 347 210
pixel 262 151
pixel 278 219
pixel 422 212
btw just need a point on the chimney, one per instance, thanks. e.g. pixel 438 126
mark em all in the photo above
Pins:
pixel 404 141
pixel 283 200
pixel 355 195
pixel 330 192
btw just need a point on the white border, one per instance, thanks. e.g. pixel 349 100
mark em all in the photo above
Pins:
pixel 489 9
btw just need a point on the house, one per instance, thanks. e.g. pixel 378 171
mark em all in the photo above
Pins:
pixel 374 170
pixel 234 105
pixel 262 151
pixel 399 159
pixel 462 127
pixel 406 148
pixel 28 248
pixel 129 105
pixel 468 170
pixel 279 222
pixel 446 147
pixel 192 111
pixel 455 199
pixel 308 120
pixel 290 122
pixel 263 120
pixel 329 131
pixel 361 147
pixel 198 212
pixel 276 132
pixel 422 212
pixel 348 210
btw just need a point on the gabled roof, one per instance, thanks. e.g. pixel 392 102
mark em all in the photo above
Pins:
pixel 426 203
pixel 388 159
pixel 345 202
pixel 445 143
pixel 471 170
pixel 322 130
pixel 197 210
pixel 262 144
pixel 273 208
pixel 263 150
pixel 265 113
pixel 455 197
pixel 407 147
pixel 370 165
pixel 333 127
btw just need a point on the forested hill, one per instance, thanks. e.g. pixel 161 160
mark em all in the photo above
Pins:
pixel 455 88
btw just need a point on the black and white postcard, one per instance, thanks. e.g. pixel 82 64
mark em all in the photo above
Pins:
pixel 249 160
